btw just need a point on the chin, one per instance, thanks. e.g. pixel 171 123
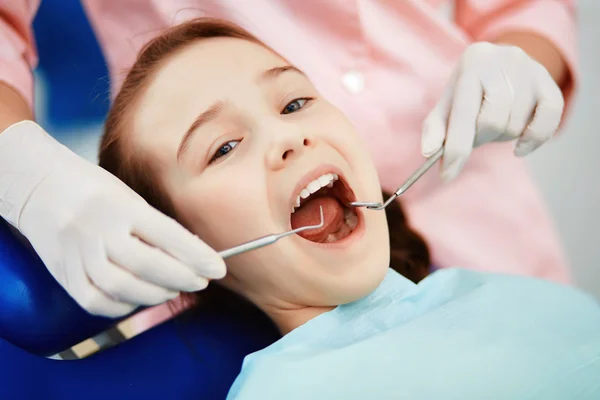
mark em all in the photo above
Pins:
pixel 348 276
pixel 362 283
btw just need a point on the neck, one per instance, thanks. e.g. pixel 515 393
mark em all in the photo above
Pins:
pixel 285 316
pixel 288 319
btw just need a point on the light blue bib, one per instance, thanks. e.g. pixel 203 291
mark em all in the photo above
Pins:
pixel 456 335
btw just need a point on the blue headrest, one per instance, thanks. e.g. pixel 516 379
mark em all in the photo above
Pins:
pixel 36 314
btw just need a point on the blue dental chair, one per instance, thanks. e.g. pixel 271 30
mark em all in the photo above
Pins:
pixel 195 359
pixel 175 360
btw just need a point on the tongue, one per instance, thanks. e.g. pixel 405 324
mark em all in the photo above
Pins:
pixel 308 214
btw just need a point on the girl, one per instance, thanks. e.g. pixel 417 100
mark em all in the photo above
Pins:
pixel 217 131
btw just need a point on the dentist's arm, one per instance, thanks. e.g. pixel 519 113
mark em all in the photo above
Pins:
pixel 541 50
pixel 12 107
pixel 545 29
pixel 18 58
pixel 104 244
pixel 512 84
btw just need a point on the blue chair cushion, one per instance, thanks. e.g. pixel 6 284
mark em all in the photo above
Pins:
pixel 193 359
pixel 36 313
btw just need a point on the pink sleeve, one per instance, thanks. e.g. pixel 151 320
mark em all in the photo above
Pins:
pixel 485 20
pixel 18 55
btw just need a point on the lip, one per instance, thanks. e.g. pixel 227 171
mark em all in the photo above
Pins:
pixel 313 175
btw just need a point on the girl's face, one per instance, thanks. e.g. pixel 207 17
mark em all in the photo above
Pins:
pixel 239 136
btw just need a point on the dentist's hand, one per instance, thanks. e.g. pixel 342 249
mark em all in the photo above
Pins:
pixel 497 93
pixel 102 242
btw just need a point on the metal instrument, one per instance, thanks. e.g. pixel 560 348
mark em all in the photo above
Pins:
pixel 267 240
pixel 409 182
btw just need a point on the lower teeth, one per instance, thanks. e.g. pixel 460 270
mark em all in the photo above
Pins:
pixel 350 222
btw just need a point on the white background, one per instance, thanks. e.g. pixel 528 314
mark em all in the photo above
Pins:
pixel 568 170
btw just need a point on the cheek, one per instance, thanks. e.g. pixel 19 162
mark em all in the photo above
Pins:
pixel 339 131
pixel 214 207
pixel 334 127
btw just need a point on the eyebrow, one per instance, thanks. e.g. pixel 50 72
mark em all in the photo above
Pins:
pixel 211 113
pixel 275 72
pixel 214 110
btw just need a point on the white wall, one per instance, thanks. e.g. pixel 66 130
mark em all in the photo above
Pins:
pixel 568 169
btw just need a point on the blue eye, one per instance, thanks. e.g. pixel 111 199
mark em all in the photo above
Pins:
pixel 294 106
pixel 224 150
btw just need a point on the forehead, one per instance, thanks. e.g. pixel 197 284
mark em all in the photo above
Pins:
pixel 213 58
pixel 195 77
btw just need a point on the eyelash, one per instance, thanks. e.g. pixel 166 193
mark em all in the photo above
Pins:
pixel 220 153
pixel 305 99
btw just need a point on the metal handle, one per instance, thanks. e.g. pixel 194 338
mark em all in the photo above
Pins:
pixel 420 172
pixel 430 162
pixel 269 239
pixel 244 247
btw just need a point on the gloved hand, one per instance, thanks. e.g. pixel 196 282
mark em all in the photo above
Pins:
pixel 102 242
pixel 497 93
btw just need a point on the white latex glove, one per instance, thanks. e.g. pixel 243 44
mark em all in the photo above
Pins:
pixel 497 93
pixel 102 242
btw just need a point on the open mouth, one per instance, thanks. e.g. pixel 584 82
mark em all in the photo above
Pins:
pixel 332 193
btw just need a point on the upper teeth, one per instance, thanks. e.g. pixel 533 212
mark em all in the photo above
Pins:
pixel 314 186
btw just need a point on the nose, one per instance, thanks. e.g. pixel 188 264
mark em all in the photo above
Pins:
pixel 288 142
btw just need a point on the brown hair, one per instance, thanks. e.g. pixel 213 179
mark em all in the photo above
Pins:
pixel 409 252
